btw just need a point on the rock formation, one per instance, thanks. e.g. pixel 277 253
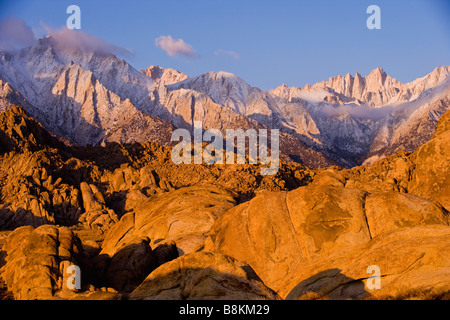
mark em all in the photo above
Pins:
pixel 126 215
pixel 203 275
pixel 95 98
pixel 36 260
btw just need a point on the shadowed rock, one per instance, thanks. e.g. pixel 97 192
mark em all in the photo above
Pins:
pixel 280 233
pixel 203 275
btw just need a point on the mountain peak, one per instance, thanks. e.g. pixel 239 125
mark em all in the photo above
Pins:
pixel 226 74
pixel 376 80
pixel 220 75
pixel 375 89
pixel 377 70
pixel 217 79
pixel 164 76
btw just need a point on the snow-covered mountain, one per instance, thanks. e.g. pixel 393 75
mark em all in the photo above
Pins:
pixel 93 97
pixel 363 118
pixel 350 119
pixel 375 90
pixel 87 97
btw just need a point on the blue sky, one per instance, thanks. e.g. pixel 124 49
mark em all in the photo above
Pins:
pixel 267 43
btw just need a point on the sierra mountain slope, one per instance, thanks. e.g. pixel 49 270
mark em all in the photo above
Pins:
pixel 92 97
pixel 86 97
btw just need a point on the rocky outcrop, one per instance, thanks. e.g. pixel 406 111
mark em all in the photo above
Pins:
pixel 141 227
pixel 36 261
pixel 184 216
pixel 423 172
pixel 430 177
pixel 164 76
pixel 203 275
pixel 130 265
pixel 18 131
pixel 96 214
pixel 32 196
pixel 413 264
pixel 311 223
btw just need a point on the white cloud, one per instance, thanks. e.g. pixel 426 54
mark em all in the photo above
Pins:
pixel 174 47
pixel 230 53
pixel 67 39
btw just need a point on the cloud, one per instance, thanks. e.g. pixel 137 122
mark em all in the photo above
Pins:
pixel 371 113
pixel 14 33
pixel 174 47
pixel 67 39
pixel 358 111
pixel 230 53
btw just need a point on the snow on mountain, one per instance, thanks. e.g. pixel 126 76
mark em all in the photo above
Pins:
pixel 411 124
pixel 83 95
pixel 232 92
pixel 95 97
pixel 375 90
pixel 186 105
pixel 164 76
pixel 348 118
pixel 382 110
pixel 35 69
pixel 222 87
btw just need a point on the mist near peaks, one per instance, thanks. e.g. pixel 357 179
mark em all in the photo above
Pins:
pixel 15 34
pixel 77 40
pixel 365 112
pixel 359 111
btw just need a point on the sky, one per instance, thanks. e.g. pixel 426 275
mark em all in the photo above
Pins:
pixel 267 43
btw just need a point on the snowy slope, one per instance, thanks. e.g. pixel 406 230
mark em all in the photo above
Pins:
pixel 83 95
pixel 93 97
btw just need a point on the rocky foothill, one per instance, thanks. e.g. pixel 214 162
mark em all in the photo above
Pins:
pixel 140 227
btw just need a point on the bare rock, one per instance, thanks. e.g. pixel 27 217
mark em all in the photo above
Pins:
pixel 203 275
pixel 280 233
pixel 413 263
pixel 165 252
pixel 184 216
pixel 97 215
pixel 130 265
pixel 389 211
pixel 36 260
pixel 431 177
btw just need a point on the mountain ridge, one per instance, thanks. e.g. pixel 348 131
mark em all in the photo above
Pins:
pixel 95 98
pixel 375 89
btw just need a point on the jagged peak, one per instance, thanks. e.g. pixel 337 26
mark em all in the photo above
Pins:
pixel 166 76
pixel 377 70
pixel 218 78
pixel 443 71
pixel 348 76
pixel 153 71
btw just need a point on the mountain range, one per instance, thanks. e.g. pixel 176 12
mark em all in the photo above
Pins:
pixel 85 97
pixel 87 180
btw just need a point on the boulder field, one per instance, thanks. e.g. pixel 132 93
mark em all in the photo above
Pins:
pixel 140 227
